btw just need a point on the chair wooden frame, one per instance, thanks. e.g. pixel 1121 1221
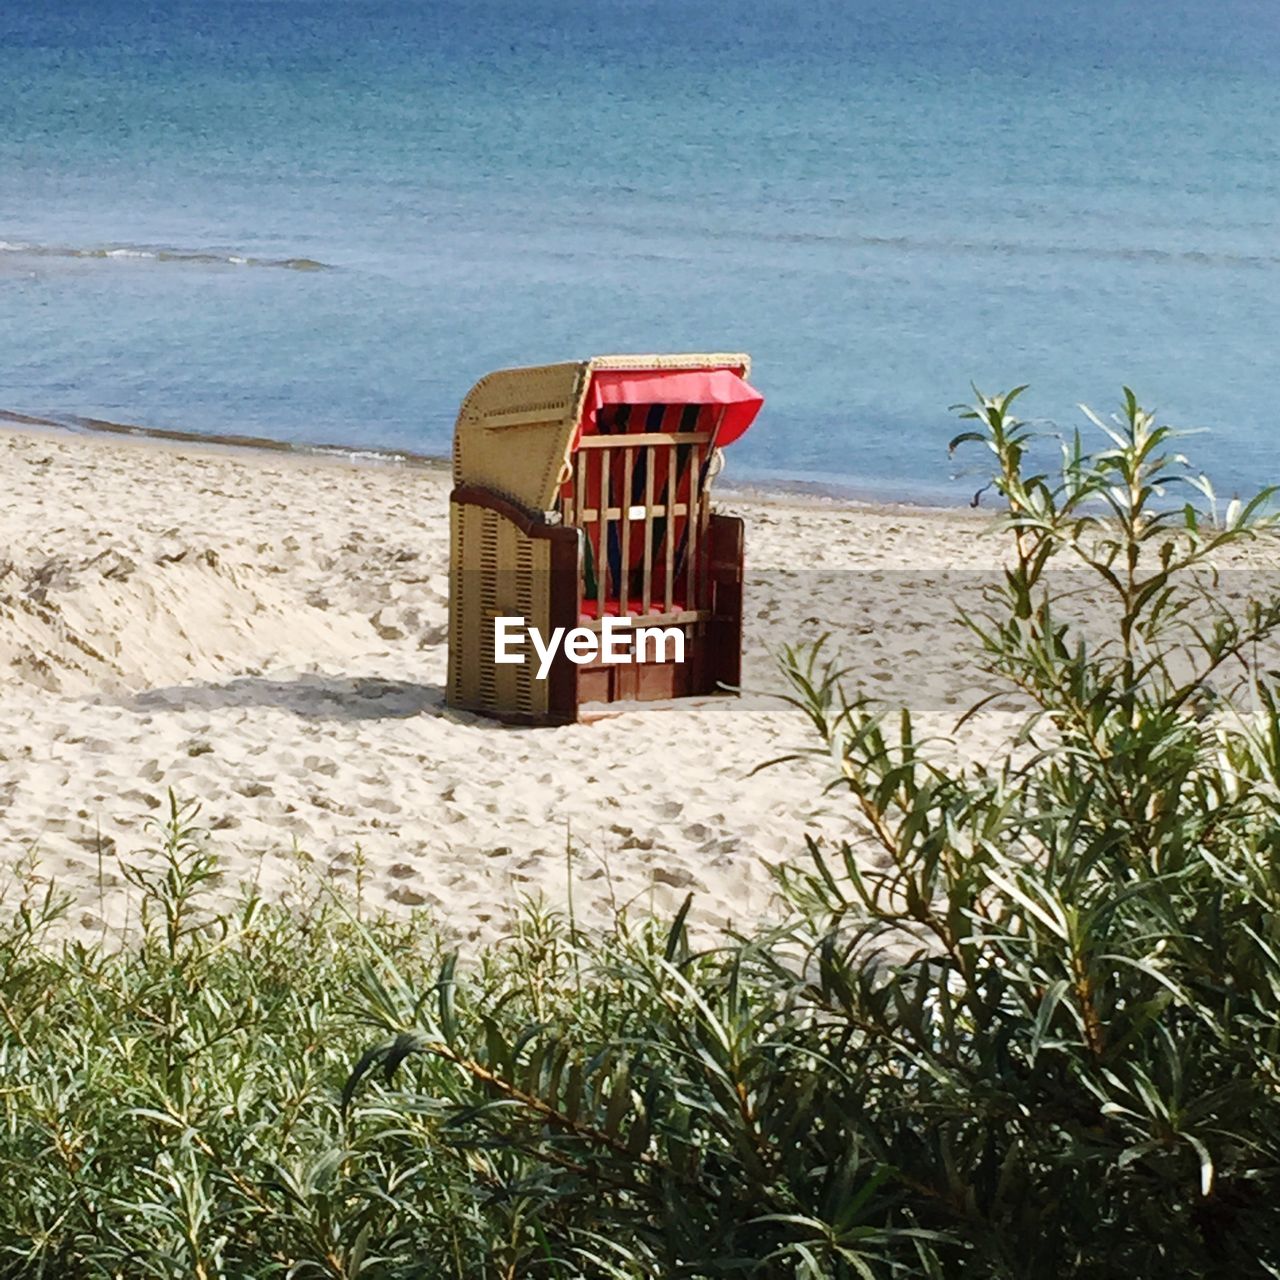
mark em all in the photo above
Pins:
pixel 565 528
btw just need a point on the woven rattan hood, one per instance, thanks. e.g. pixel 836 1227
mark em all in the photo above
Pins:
pixel 516 427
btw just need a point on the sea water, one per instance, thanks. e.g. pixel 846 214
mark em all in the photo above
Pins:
pixel 320 221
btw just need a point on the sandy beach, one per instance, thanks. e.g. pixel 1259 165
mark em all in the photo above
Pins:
pixel 266 633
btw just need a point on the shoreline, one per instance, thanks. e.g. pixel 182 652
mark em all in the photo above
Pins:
pixel 779 491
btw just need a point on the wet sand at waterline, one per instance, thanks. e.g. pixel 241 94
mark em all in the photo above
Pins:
pixel 266 634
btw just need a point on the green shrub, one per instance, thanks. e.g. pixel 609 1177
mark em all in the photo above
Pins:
pixel 172 1109
pixel 1024 1023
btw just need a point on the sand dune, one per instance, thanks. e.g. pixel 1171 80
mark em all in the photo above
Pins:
pixel 266 634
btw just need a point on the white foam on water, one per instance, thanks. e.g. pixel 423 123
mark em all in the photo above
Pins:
pixel 190 257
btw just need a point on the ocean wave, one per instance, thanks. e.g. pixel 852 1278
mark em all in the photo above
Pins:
pixel 148 253
pixel 636 233
pixel 1014 248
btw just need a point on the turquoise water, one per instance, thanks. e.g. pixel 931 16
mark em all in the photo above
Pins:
pixel 321 220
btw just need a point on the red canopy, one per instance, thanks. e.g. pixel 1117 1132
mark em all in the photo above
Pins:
pixel 740 400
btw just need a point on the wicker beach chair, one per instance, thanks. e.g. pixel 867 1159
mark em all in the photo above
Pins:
pixel 582 494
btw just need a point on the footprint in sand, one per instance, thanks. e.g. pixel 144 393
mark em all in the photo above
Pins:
pixel 407 897
pixel 677 878
pixel 141 798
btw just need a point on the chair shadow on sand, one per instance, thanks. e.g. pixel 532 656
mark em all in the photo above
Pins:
pixel 313 697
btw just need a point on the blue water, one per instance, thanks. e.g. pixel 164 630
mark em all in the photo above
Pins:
pixel 882 202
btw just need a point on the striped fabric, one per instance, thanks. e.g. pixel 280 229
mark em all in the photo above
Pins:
pixel 605 485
